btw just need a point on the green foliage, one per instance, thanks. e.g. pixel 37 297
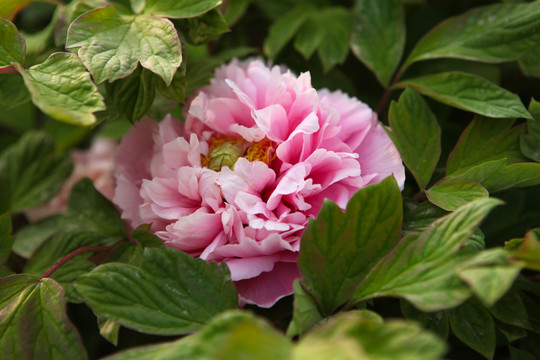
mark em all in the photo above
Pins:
pixel 34 312
pixel 378 36
pixel 6 240
pixel 416 134
pixel 470 93
pixel 530 142
pixel 12 45
pixel 453 194
pixel 179 9
pixel 171 293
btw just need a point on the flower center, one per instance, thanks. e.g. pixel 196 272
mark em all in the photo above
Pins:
pixel 226 150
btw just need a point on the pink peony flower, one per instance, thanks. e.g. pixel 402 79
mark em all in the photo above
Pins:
pixel 96 163
pixel 259 152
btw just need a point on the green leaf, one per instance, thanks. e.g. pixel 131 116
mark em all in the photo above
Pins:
pixel 486 139
pixel 283 29
pixel 338 250
pixel 92 212
pixel 145 238
pixel 416 134
pixel 511 310
pixel 177 89
pixel 305 311
pixel 201 29
pixel 497 176
pixel 230 335
pixel 490 275
pixel 433 321
pixel 33 321
pixel 473 325
pixel 171 293
pixel 61 88
pixel 529 63
pixel 13 92
pixel 363 335
pixel 332 39
pixel 109 330
pixel 31 173
pixel 111 42
pixel 234 10
pixel 469 92
pixel 378 36
pixel 180 9
pixel 422 268
pixel 530 142
pixel 8 9
pixel 6 240
pixel 418 216
pixel 519 354
pixel 134 95
pixel 30 237
pixel 12 45
pixel 528 250
pixel 71 12
pixel 496 33
pixel 453 194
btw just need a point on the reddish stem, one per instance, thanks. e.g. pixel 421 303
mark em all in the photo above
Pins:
pixel 9 70
pixel 387 92
pixel 73 254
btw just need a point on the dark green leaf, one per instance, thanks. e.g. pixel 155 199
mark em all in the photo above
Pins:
pixel 339 249
pixel 473 325
pixel 61 88
pixel 309 36
pixel 171 293
pixel 6 240
pixel 363 335
pixel 145 238
pixel 125 40
pixel 469 92
pixel 305 311
pixel 13 92
pixel 201 29
pixel 33 321
pixel 416 134
pixel 418 216
pixel 519 354
pixel 134 95
pixel 31 173
pixel 453 194
pixel 230 335
pixel 180 9
pixel 12 45
pixel 177 89
pixel 496 33
pixel 234 10
pixel 378 36
pixel 530 63
pixel 530 142
pixel 512 333
pixel 422 268
pixel 92 212
pixel 484 140
pixel 30 237
pixel 282 30
pixel 434 321
pixel 510 310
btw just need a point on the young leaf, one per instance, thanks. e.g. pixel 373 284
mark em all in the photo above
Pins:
pixel 496 33
pixel 530 142
pixel 31 173
pixel 109 330
pixel 171 293
pixel 422 267
pixel 473 325
pixel 339 249
pixel 416 134
pixel 305 311
pixel 201 29
pixel 134 95
pixel 453 194
pixel 469 92
pixel 363 335
pixel 484 140
pixel 111 42
pixel 283 29
pixel 179 9
pixel 378 36
pixel 230 335
pixel 33 320
pixel 61 87
pixel 12 45
pixel 6 240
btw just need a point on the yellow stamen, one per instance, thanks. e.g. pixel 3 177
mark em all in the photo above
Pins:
pixel 225 151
